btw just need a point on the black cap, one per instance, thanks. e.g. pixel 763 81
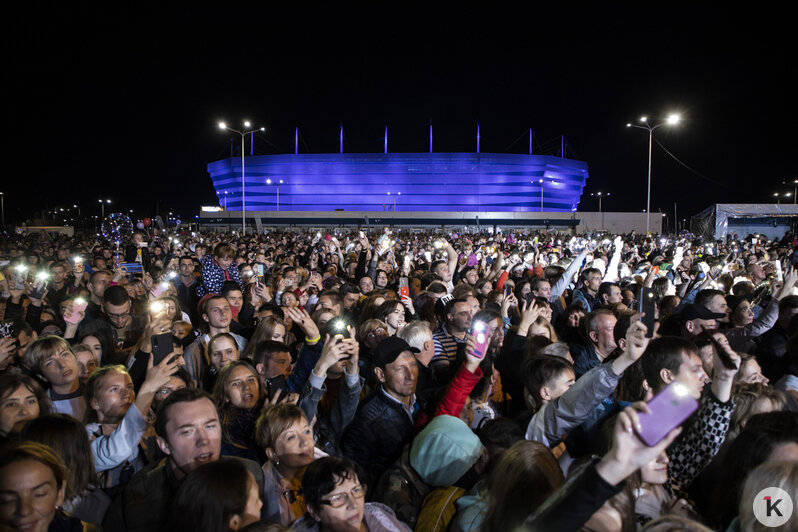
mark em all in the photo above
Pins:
pixel 699 312
pixel 389 349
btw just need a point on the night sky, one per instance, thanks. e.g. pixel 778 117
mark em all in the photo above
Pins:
pixel 123 103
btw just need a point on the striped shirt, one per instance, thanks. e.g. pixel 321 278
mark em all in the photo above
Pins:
pixel 445 348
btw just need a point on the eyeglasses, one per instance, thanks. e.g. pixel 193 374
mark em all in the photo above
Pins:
pixel 118 316
pixel 339 499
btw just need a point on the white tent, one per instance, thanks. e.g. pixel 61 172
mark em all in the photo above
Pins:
pixel 721 219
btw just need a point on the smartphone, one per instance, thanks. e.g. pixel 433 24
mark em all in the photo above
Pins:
pixel 404 289
pixel 39 285
pixel 19 277
pixel 132 267
pixel 507 290
pixel 648 306
pixel 669 409
pixel 338 327
pixel 162 346
pixel 159 289
pixel 361 234
pixel 275 385
pixel 479 330
pixel 259 269
pixel 78 306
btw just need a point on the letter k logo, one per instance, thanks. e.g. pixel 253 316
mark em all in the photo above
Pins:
pixel 773 507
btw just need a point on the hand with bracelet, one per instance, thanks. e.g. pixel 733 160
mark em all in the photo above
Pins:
pixel 301 317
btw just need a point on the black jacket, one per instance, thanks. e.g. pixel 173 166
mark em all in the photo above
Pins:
pixel 145 502
pixel 377 435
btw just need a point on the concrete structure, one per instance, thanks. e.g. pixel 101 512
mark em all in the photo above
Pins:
pixel 580 222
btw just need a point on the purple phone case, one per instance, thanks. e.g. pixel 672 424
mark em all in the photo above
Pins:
pixel 668 411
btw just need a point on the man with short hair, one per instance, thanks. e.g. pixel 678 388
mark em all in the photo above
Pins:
pixel 587 296
pixel 452 332
pixel 696 319
pixel 96 286
pixel 670 358
pixel 715 301
pixel 272 361
pixel 186 283
pixel 418 334
pixel 350 297
pixel 470 276
pixel 190 435
pixel 331 301
pixel 600 332
pixel 216 314
pixel 609 293
pixel 384 424
pixel 117 319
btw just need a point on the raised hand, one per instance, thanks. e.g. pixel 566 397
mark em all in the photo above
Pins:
pixel 628 452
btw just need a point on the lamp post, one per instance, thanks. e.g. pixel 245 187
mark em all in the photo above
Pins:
pixel 2 209
pixel 599 195
pixel 779 196
pixel 277 184
pixel 102 206
pixel 794 184
pixel 244 132
pixel 671 120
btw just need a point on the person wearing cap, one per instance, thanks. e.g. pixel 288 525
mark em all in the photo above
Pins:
pixel 696 319
pixel 384 423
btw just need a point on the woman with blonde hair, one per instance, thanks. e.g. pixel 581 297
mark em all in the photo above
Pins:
pixel 782 475
pixel 284 434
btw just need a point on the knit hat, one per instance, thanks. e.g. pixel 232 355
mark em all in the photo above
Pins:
pixel 444 451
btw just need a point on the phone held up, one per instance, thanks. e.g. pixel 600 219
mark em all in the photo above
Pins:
pixel 647 304
pixel 404 289
pixel 480 332
pixel 162 345
pixel 669 409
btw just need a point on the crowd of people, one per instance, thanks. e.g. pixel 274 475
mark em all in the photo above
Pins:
pixel 381 381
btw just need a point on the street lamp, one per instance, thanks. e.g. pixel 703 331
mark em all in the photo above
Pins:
pixel 2 210
pixel 102 205
pixel 672 120
pixel 794 183
pixel 394 200
pixel 244 132
pixel 779 196
pixel 277 184
pixel 599 195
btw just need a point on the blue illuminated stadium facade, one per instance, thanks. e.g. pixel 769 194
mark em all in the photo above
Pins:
pixel 416 182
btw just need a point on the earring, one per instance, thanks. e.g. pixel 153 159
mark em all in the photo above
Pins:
pixel 277 461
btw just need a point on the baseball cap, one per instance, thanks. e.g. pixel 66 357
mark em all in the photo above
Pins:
pixel 699 312
pixel 389 349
